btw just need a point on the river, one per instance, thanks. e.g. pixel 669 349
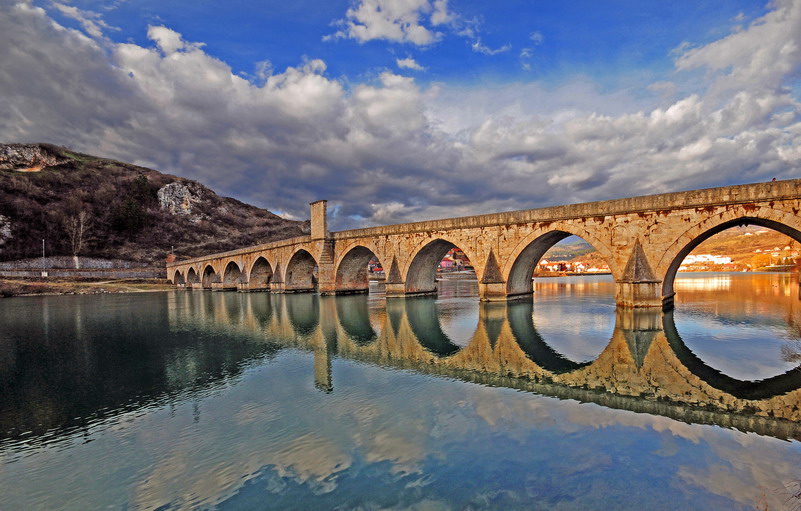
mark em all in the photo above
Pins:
pixel 201 400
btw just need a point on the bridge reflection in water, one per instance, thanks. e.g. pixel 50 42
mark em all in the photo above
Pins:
pixel 645 367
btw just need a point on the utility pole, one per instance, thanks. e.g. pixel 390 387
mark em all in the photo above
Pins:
pixel 44 271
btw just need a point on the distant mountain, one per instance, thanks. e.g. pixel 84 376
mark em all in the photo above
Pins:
pixel 568 249
pixel 97 207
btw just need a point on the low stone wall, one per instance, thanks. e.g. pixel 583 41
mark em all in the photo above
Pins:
pixel 68 262
pixel 113 273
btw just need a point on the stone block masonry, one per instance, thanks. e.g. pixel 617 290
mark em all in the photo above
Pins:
pixel 643 240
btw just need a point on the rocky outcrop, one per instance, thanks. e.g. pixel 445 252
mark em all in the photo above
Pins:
pixel 178 198
pixel 29 157
pixel 5 230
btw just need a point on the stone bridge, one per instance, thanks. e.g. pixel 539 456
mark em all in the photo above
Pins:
pixel 643 240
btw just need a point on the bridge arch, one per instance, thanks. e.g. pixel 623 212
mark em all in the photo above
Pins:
pixel 300 272
pixel 774 219
pixel 178 278
pixel 352 275
pixel 191 276
pixel 210 276
pixel 421 272
pixel 232 274
pixel 261 272
pixel 529 251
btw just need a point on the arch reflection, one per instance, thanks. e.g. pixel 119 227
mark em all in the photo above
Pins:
pixel 531 342
pixel 354 316
pixel 575 315
pixel 743 389
pixel 303 311
pixel 424 322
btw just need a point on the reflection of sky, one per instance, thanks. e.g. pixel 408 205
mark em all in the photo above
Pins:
pixel 272 441
pixel 459 319
pixel 575 315
pixel 741 350
pixel 396 439
pixel 738 329
pixel 702 281
pixel 735 322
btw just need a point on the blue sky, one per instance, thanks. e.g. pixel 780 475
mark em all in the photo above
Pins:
pixel 609 41
pixel 399 110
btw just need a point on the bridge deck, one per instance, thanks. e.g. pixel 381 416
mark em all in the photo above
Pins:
pixel 703 198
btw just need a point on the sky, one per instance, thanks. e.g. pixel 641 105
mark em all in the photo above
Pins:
pixel 404 110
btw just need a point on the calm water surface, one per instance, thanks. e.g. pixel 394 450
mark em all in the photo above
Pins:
pixel 201 400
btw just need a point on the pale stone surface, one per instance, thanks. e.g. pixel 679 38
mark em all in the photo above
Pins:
pixel 319 220
pixel 27 157
pixel 5 229
pixel 178 198
pixel 643 240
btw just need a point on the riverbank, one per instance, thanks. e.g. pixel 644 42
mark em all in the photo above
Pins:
pixel 63 286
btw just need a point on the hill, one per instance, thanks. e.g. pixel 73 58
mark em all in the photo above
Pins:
pixel 96 207
pixel 749 247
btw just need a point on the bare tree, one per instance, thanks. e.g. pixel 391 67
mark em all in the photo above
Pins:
pixel 77 225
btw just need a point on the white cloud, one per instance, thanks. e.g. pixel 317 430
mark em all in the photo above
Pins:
pixel 409 63
pixel 170 41
pixel 263 70
pixel 400 21
pixel 527 54
pixel 763 56
pixel 413 22
pixel 486 50
pixel 392 110
pixel 441 15
pixel 92 22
